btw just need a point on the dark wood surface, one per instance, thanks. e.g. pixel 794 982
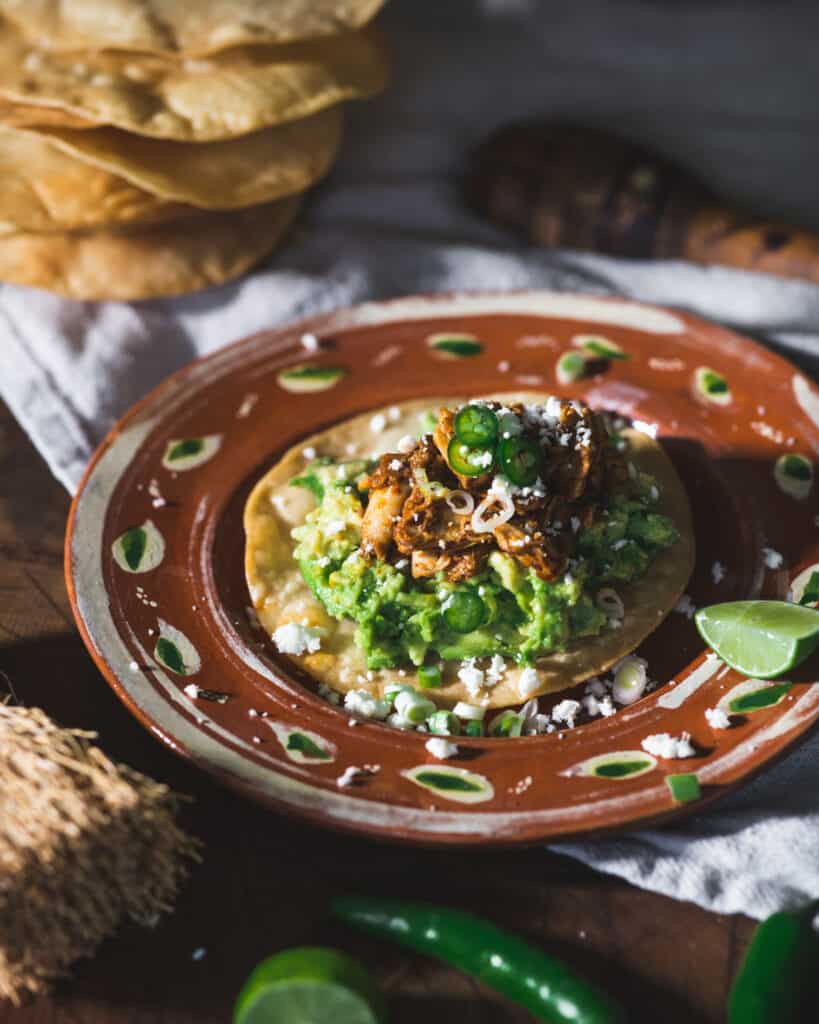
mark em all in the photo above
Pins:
pixel 265 881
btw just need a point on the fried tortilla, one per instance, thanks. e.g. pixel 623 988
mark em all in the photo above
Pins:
pixel 280 594
pixel 221 97
pixel 45 189
pixel 145 261
pixel 183 27
pixel 235 173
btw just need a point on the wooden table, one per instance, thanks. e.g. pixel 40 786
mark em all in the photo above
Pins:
pixel 265 880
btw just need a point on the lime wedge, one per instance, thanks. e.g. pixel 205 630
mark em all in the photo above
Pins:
pixel 762 639
pixel 309 985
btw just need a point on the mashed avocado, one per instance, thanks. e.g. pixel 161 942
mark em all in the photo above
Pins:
pixel 401 620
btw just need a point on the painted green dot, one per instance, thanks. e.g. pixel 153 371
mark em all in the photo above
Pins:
pixel 712 385
pixel 184 453
pixel 304 745
pixel 170 655
pixel 684 787
pixel 765 697
pixel 600 347
pixel 619 764
pixel 140 549
pixel 455 346
pixel 811 592
pixel 571 366
pixel 440 780
pixel 133 544
pixel 456 784
pixel 794 475
pixel 620 769
pixel 310 378
pixel 797 466
pixel 185 449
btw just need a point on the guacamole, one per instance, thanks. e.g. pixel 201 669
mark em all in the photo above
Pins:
pixel 506 609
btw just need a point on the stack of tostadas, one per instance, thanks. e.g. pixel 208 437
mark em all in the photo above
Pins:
pixel 154 147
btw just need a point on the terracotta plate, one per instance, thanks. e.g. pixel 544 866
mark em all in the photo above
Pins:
pixel 181 617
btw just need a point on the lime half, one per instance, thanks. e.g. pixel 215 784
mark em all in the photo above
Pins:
pixel 762 639
pixel 310 985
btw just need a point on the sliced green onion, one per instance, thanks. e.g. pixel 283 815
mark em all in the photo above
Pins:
pixel 391 690
pixel 476 426
pixel 571 366
pixel 466 461
pixel 507 723
pixel 469 712
pixel 520 459
pixel 630 679
pixel 444 723
pixel 399 722
pixel 464 611
pixel 684 788
pixel 429 677
pixel 427 421
pixel 474 729
pixel 413 707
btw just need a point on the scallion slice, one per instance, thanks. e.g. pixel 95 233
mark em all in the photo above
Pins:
pixel 444 723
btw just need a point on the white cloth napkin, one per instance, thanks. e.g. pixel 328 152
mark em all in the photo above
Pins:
pixel 388 222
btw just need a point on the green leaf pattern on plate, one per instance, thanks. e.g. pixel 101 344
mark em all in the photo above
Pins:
pixel 805 586
pixel 599 347
pixel 139 549
pixel 303 746
pixel 617 765
pixel 711 386
pixel 455 346
pixel 306 378
pixel 794 475
pixel 184 453
pixel 451 783
pixel 175 651
pixel 570 367
pixel 753 695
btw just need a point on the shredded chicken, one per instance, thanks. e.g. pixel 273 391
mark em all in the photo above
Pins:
pixel 383 508
pixel 427 563
pixel 407 514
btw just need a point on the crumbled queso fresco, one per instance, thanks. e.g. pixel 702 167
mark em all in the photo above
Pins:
pixel 295 638
pixel 471 676
pixel 566 711
pixel 772 558
pixel 350 776
pixel 361 702
pixel 378 423
pixel 528 682
pixel 669 747
pixel 717 718
pixel 441 748
pixel 602 697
